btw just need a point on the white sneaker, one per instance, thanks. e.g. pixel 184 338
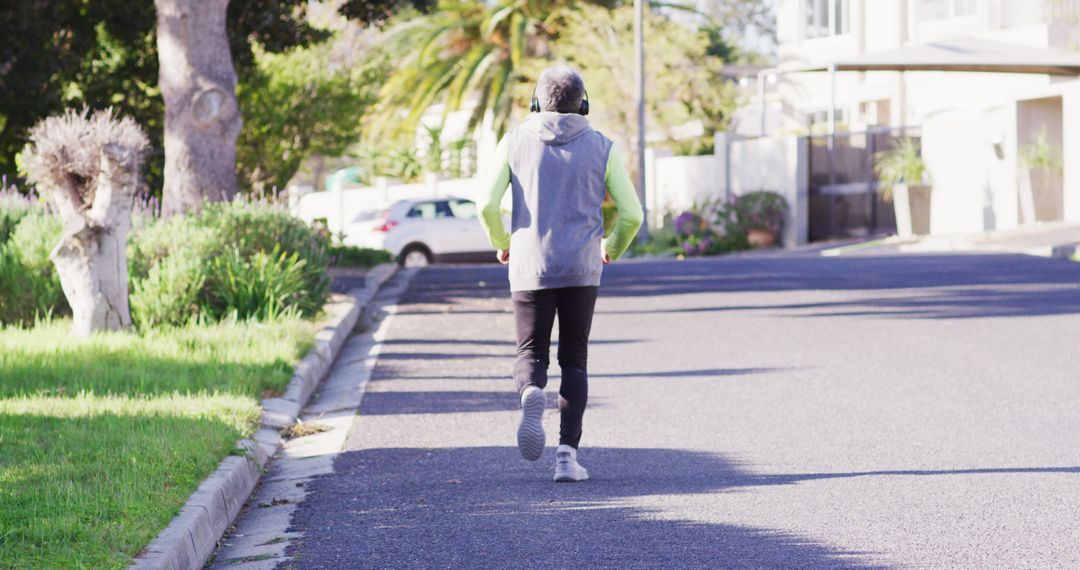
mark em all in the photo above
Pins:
pixel 567 469
pixel 530 434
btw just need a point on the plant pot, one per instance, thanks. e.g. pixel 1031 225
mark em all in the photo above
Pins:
pixel 912 206
pixel 1041 197
pixel 761 239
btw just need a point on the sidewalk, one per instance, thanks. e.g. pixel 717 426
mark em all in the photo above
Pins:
pixel 1055 240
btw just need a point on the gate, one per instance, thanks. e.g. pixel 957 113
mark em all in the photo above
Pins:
pixel 843 193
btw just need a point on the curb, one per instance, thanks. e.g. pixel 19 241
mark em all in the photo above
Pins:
pixel 191 537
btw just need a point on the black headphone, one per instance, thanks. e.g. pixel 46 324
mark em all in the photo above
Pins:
pixel 583 110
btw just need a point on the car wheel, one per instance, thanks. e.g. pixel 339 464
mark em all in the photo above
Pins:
pixel 415 256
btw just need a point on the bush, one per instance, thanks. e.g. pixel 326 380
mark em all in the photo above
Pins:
pixel 264 287
pixel 169 294
pixel 29 285
pixel 252 259
pixel 695 236
pixel 13 208
pixel 760 210
pixel 352 256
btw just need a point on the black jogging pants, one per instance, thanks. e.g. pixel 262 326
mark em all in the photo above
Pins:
pixel 534 313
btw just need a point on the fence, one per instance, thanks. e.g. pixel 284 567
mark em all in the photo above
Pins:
pixel 843 196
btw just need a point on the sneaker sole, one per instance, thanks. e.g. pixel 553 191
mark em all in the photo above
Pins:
pixel 569 478
pixel 530 434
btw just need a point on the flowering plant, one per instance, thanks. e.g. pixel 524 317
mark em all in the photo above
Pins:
pixel 694 234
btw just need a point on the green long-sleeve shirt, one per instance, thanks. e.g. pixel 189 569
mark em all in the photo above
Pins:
pixel 621 223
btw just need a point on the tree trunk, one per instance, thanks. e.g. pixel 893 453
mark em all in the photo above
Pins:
pixel 202 118
pixel 91 257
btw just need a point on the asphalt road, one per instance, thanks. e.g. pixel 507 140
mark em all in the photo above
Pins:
pixel 780 411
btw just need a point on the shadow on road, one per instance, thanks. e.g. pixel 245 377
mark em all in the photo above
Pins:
pixel 407 372
pixel 486 508
pixel 934 286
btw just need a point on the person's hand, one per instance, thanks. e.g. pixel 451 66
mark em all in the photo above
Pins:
pixel 503 255
pixel 605 257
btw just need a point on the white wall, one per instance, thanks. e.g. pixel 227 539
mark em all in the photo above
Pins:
pixel 675 184
pixel 1070 103
pixel 974 189
pixel 776 164
pixel 684 181
pixel 343 207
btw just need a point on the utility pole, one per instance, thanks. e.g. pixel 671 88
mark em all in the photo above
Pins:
pixel 639 77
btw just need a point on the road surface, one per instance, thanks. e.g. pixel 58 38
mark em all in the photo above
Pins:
pixel 745 412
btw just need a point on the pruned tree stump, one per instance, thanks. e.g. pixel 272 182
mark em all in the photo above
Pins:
pixel 88 166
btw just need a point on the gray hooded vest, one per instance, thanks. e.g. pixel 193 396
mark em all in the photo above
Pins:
pixel 557 169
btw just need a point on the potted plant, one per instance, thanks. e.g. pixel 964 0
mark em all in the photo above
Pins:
pixel 760 216
pixel 902 174
pixel 1039 199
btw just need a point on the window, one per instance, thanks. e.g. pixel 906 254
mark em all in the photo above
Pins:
pixel 964 8
pixel 927 10
pixel 464 209
pixel 430 211
pixel 931 10
pixel 874 113
pixel 818 121
pixel 827 18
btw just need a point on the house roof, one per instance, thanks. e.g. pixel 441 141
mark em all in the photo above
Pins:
pixel 960 54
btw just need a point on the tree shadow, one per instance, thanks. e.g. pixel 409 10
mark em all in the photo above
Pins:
pixel 811 273
pixel 439 355
pixel 928 286
pixel 964 303
pixel 394 372
pixel 386 403
pixel 485 342
pixel 485 508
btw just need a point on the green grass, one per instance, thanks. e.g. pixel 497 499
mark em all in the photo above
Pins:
pixel 102 440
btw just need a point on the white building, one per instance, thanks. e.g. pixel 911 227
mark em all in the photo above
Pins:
pixel 974 126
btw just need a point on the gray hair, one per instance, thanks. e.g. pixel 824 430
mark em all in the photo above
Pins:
pixel 560 89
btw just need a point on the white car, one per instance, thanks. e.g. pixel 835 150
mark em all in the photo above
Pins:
pixel 420 232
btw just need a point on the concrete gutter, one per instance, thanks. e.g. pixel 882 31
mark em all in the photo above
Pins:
pixel 191 537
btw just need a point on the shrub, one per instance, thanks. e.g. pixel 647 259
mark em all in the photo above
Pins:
pixel 903 164
pixel 263 286
pixel 29 285
pixel 695 236
pixel 252 253
pixel 13 208
pixel 760 210
pixel 662 241
pixel 169 293
pixel 352 256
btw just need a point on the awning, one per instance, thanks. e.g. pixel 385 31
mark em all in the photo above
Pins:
pixel 959 54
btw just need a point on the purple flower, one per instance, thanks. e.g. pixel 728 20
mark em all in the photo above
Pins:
pixel 688 248
pixel 686 223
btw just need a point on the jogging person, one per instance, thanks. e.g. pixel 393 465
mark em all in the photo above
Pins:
pixel 559 171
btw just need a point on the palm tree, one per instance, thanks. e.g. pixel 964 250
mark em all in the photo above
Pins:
pixel 464 48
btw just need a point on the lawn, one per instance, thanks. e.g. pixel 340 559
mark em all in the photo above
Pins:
pixel 103 440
